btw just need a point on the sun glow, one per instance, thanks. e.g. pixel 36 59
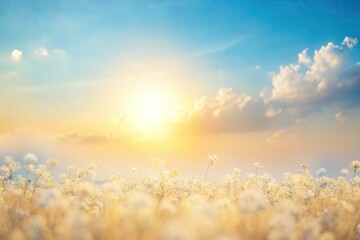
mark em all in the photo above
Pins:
pixel 150 111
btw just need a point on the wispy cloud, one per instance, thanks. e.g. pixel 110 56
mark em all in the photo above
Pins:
pixel 282 136
pixel 87 139
pixel 341 118
pixel 41 52
pixel 59 85
pixel 8 75
pixel 220 48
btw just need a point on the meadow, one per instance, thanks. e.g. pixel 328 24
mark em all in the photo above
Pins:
pixel 165 205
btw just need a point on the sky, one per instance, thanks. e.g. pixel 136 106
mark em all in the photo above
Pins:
pixel 122 83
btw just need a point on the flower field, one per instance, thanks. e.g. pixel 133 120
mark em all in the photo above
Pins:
pixel 164 205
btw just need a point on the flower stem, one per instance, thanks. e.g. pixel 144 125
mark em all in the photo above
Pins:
pixel 207 170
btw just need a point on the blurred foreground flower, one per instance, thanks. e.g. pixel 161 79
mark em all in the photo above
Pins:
pixel 162 205
pixel 212 160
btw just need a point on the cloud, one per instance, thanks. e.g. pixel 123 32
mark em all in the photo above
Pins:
pixel 226 111
pixel 303 58
pixel 300 122
pixel 272 112
pixel 16 55
pixel 282 136
pixel 341 118
pixel 257 67
pixel 41 52
pixel 221 47
pixel 230 111
pixel 59 53
pixel 8 75
pixel 316 81
pixel 350 42
pixel 271 74
pixel 86 139
pixel 292 84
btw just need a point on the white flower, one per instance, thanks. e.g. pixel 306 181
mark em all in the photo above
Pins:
pixel 213 159
pixel 51 163
pixel 4 171
pixel 46 198
pixel 40 170
pixel 30 158
pixel 175 173
pixel 257 166
pixel 321 172
pixel 91 175
pixel 237 171
pixel 309 195
pixel 20 214
pixel 357 231
pixel 11 164
pixel 71 168
pixel 92 166
pixel 29 167
pixel 251 201
pixel 167 208
pixel 140 201
pixel 355 165
pixel 344 171
pixel 304 166
pixel 84 188
pixel 133 170
pixel 159 163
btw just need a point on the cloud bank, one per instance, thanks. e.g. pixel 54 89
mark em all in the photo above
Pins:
pixel 315 82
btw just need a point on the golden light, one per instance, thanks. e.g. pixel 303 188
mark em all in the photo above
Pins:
pixel 150 111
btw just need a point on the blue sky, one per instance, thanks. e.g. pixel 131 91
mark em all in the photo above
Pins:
pixel 87 64
pixel 93 33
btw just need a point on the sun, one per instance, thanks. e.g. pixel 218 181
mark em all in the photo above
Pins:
pixel 150 110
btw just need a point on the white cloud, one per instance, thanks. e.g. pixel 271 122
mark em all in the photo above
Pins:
pixel 282 136
pixel 289 84
pixel 303 58
pixel 316 81
pixel 300 122
pixel 257 67
pixel 221 47
pixel 60 53
pixel 350 42
pixel 323 79
pixel 230 111
pixel 226 100
pixel 16 55
pixel 341 118
pixel 328 63
pixel 86 139
pixel 272 112
pixel 8 75
pixel 41 52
